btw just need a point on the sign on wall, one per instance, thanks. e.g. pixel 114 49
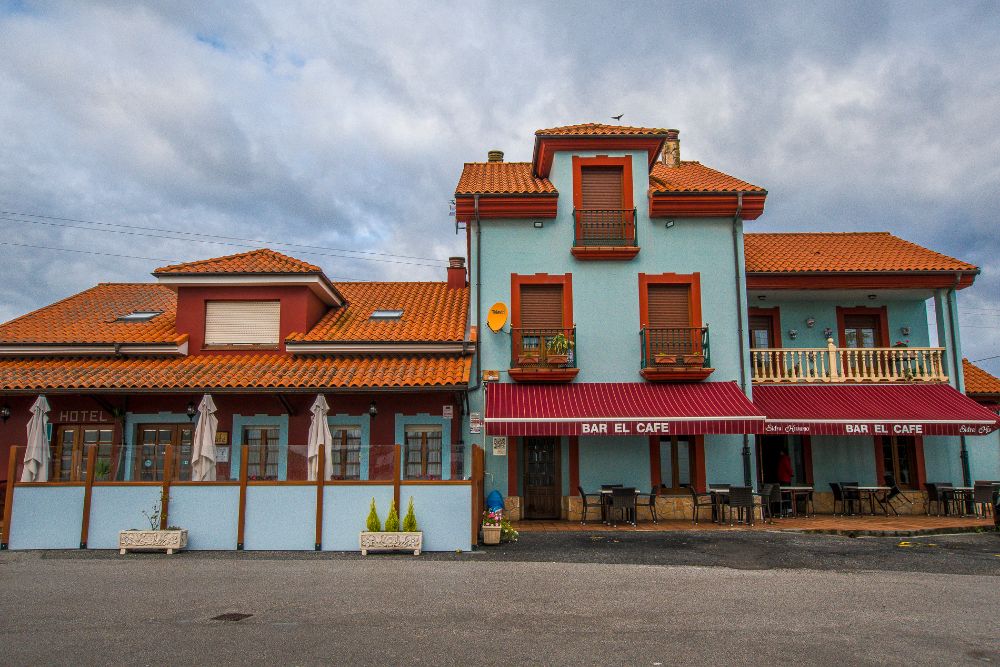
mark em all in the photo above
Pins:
pixel 491 376
pixel 475 423
pixel 448 411
pixel 500 445
pixel 222 437
pixel 497 317
pixel 222 454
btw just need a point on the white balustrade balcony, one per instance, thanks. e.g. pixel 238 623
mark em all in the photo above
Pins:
pixel 833 364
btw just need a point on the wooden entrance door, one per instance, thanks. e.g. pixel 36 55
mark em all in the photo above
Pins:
pixel 542 478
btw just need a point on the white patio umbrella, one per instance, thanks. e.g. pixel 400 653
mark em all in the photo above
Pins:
pixel 36 454
pixel 320 436
pixel 203 454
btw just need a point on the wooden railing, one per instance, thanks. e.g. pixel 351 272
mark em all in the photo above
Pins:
pixel 543 348
pixel 833 364
pixel 675 346
pixel 604 227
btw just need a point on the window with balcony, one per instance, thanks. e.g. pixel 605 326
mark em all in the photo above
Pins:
pixel 543 339
pixel 674 345
pixel 604 214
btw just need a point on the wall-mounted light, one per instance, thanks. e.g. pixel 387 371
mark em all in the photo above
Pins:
pixel 827 332
pixel 5 413
pixel 811 322
pixel 904 330
pixel 539 224
pixel 872 297
pixel 372 410
pixel 191 410
pixel 761 297
pixel 793 333
pixel 669 224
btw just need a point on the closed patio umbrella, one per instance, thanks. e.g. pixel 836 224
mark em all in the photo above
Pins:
pixel 36 454
pixel 203 454
pixel 320 436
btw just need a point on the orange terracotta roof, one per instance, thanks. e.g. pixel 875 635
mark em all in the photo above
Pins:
pixel 978 381
pixel 233 372
pixel 432 312
pixel 826 252
pixel 255 261
pixel 693 176
pixel 600 130
pixel 90 317
pixel 501 178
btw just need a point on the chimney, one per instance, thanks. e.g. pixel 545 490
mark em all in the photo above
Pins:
pixel 494 156
pixel 672 149
pixel 456 273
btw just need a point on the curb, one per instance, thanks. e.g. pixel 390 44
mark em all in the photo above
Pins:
pixel 955 530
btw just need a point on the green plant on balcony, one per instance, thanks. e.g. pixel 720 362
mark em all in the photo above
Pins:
pixel 558 348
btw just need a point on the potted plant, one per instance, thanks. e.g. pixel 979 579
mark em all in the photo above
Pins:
pixel 491 526
pixel 374 538
pixel 527 357
pixel 172 539
pixel 558 349
pixel 664 358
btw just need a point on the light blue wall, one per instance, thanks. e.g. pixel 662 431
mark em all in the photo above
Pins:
pixel 364 422
pixel 609 460
pixel 280 518
pixel 117 508
pixel 443 514
pixel 424 419
pixel 209 513
pixel 843 459
pixel 47 517
pixel 606 302
pixel 984 456
pixel 345 509
pixel 241 421
pixel 909 313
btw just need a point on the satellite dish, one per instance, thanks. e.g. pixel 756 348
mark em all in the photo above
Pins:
pixel 497 317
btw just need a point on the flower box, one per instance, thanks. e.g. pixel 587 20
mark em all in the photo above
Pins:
pixel 661 358
pixel 491 534
pixel 694 359
pixel 152 540
pixel 383 541
pixel 557 359
pixel 527 359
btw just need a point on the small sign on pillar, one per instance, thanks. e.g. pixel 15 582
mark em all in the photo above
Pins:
pixel 500 445
pixel 475 423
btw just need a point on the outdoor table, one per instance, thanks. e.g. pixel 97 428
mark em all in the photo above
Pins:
pixel 871 492
pixel 606 500
pixel 793 493
pixel 964 495
pixel 718 506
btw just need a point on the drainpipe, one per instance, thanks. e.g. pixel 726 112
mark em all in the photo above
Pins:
pixel 963 454
pixel 474 386
pixel 740 291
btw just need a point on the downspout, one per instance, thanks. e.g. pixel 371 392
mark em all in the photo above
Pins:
pixel 479 306
pixel 963 454
pixel 740 291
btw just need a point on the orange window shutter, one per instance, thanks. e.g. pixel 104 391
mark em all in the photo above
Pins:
pixel 668 306
pixel 542 306
pixel 601 188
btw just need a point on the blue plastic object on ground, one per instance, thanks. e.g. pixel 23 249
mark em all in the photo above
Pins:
pixel 494 501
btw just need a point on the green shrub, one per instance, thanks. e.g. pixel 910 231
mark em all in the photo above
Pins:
pixel 410 520
pixel 392 520
pixel 373 525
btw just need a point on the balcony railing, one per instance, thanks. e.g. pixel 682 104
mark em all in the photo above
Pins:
pixel 675 346
pixel 605 227
pixel 833 364
pixel 543 348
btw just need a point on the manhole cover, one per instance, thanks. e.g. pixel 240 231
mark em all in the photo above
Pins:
pixel 231 616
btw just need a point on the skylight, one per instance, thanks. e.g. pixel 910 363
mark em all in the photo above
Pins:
pixel 386 315
pixel 140 316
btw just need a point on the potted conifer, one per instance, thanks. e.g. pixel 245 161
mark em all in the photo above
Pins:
pixel 374 538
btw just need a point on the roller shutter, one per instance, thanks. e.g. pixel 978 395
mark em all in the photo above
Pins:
pixel 601 188
pixel 668 306
pixel 542 306
pixel 242 322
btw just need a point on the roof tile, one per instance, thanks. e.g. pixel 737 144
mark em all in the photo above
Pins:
pixel 501 178
pixel 692 176
pixel 842 252
pixel 978 381
pixel 263 260
pixel 599 129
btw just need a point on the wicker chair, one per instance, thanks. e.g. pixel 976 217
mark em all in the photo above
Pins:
pixel 650 502
pixel 622 504
pixel 741 499
pixel 982 498
pixel 697 504
pixel 587 504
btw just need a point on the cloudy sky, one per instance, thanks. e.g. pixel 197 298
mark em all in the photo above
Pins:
pixel 344 126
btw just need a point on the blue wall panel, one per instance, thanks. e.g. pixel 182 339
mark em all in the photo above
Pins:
pixel 46 517
pixel 209 513
pixel 345 509
pixel 443 512
pixel 117 508
pixel 280 518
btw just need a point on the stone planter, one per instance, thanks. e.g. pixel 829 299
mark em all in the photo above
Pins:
pixel 383 541
pixel 152 540
pixel 491 534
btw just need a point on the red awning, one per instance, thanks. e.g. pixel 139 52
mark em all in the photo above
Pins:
pixel 619 408
pixel 905 409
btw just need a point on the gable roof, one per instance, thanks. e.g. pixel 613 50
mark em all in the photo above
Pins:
pixel 842 252
pixel 600 130
pixel 691 176
pixel 261 261
pixel 502 178
pixel 432 312
pixel 978 381
pixel 91 317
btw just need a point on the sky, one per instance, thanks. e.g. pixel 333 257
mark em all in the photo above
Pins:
pixel 137 134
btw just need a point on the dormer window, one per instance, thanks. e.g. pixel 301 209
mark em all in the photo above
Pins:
pixel 604 213
pixel 139 316
pixel 386 315
pixel 242 323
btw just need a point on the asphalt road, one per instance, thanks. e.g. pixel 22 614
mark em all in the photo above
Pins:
pixel 604 600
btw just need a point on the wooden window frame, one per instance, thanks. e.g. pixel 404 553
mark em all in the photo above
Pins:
pixel 916 454
pixel 78 455
pixel 692 280
pixel 175 440
pixel 262 457
pixel 341 452
pixel 774 315
pixel 580 163
pixel 882 313
pixel 696 459
pixel 517 280
pixel 423 429
pixel 807 458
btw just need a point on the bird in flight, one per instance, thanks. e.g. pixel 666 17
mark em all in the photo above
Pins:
pixel 618 117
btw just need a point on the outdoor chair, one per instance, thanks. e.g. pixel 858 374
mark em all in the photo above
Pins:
pixel 741 501
pixel 934 497
pixel 946 494
pixel 893 495
pixel 697 502
pixel 622 504
pixel 852 497
pixel 650 502
pixel 846 505
pixel 587 503
pixel 982 498
pixel 772 501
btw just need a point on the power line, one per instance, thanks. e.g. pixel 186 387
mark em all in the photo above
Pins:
pixel 241 241
pixel 996 356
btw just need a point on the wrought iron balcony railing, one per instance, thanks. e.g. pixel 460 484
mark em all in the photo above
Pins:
pixel 605 227
pixel 833 364
pixel 543 348
pixel 675 346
